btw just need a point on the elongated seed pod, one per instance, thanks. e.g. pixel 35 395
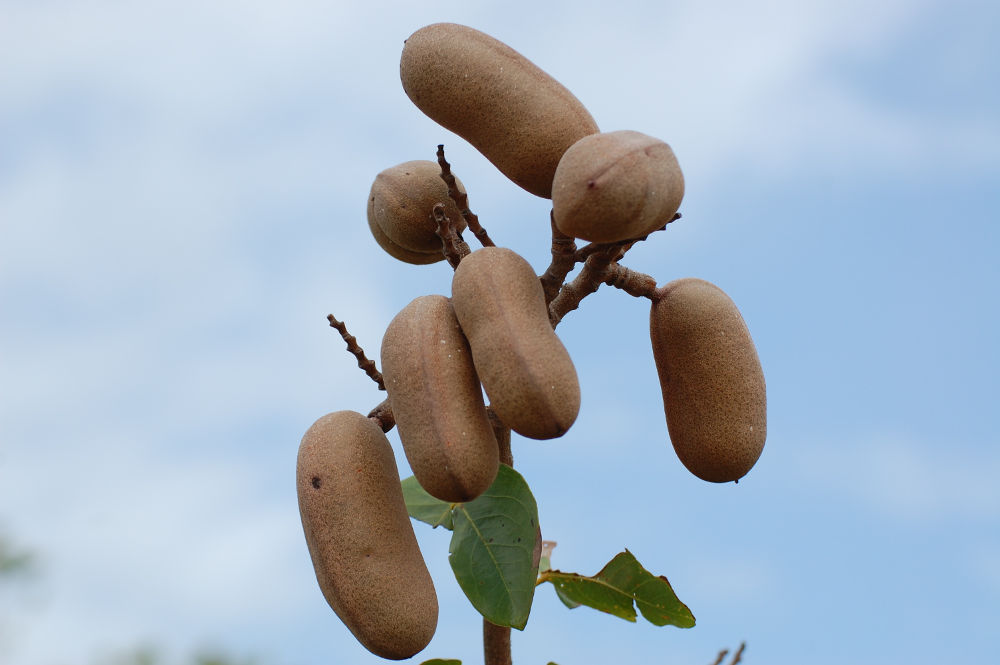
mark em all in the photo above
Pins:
pixel 399 211
pixel 437 401
pixel 615 186
pixel 525 369
pixel 516 115
pixel 714 396
pixel 363 549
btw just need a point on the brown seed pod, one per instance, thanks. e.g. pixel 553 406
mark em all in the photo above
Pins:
pixel 616 186
pixel 516 115
pixel 713 386
pixel 437 401
pixel 399 211
pixel 397 252
pixel 363 549
pixel 526 371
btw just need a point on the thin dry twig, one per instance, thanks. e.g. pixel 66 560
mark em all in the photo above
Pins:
pixel 454 247
pixel 589 249
pixel 584 252
pixel 563 261
pixel 737 657
pixel 461 199
pixel 352 346
pixel 382 414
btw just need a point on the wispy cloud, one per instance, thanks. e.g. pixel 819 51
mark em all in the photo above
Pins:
pixel 905 478
pixel 137 541
pixel 181 194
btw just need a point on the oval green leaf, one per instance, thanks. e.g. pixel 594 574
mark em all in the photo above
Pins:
pixel 495 548
pixel 621 586
pixel 569 602
pixel 441 661
pixel 422 506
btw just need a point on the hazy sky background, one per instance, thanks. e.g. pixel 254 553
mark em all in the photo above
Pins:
pixel 182 202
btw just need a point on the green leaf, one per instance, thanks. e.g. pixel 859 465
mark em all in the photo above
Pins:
pixel 566 600
pixel 494 549
pixel 422 506
pixel 441 661
pixel 622 585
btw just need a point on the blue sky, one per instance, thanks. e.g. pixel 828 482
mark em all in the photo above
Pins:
pixel 182 194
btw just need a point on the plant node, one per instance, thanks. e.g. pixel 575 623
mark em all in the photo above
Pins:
pixel 630 281
pixel 452 244
pixel 590 278
pixel 382 414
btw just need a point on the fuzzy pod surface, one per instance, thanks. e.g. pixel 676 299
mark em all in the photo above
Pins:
pixel 399 211
pixel 714 395
pixel 524 367
pixel 363 549
pixel 437 401
pixel 516 115
pixel 616 186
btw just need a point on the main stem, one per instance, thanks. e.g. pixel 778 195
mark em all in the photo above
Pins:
pixel 496 644
pixel 496 639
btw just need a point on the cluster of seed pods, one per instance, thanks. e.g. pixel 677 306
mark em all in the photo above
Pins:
pixel 494 333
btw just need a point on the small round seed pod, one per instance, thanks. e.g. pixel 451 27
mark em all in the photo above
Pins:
pixel 363 549
pixel 524 367
pixel 616 186
pixel 714 396
pixel 516 115
pixel 399 211
pixel 437 401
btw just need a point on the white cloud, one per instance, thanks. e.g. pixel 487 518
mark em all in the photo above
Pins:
pixel 727 581
pixel 906 479
pixel 136 542
pixel 756 86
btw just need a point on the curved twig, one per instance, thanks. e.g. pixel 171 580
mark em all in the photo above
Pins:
pixel 584 252
pixel 355 349
pixel 630 281
pixel 563 261
pixel 461 199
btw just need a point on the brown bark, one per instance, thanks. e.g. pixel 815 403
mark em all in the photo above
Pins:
pixel 496 644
